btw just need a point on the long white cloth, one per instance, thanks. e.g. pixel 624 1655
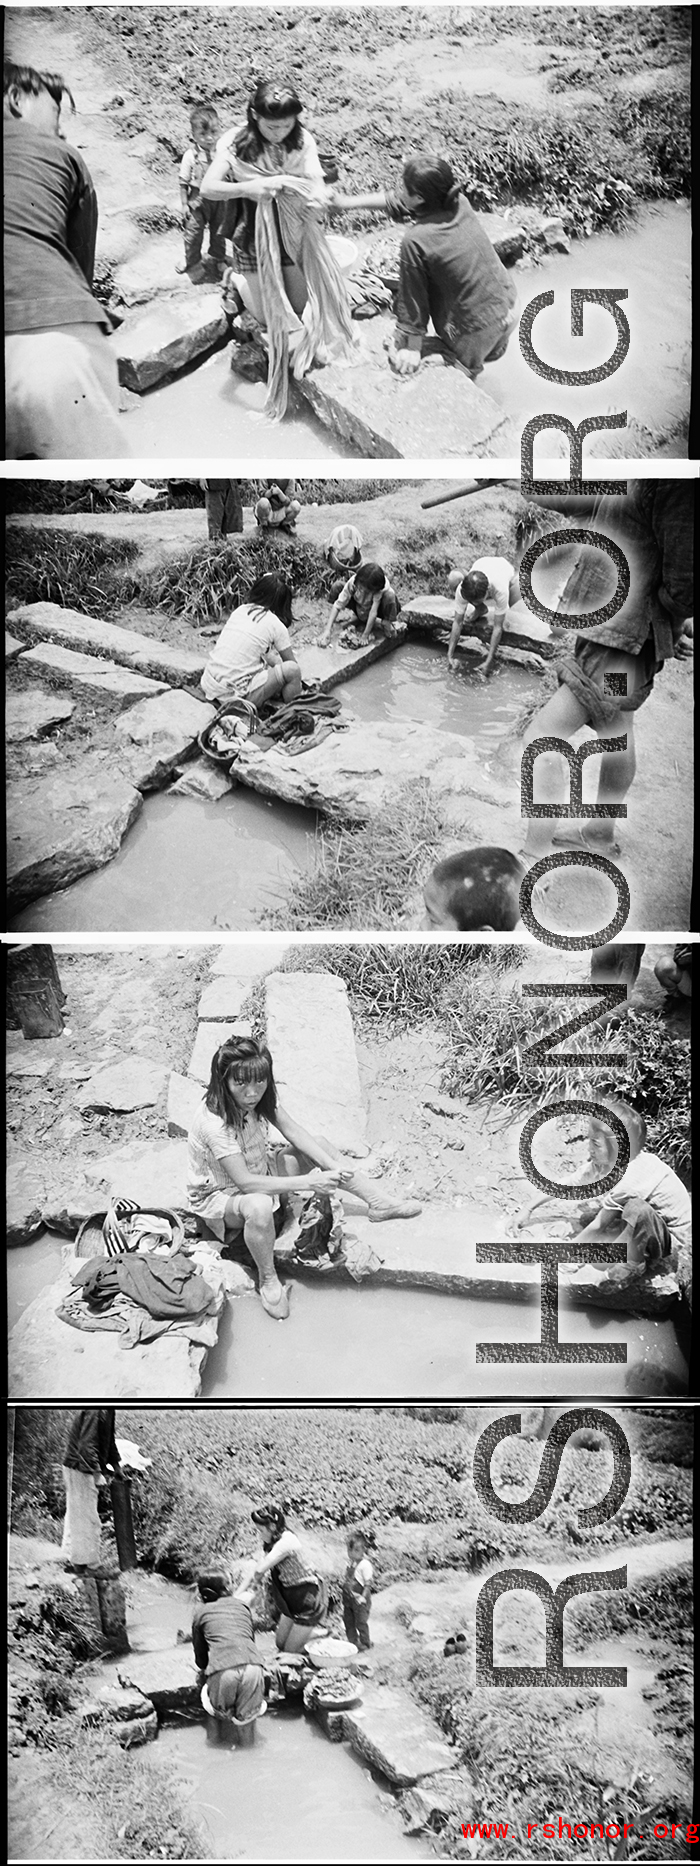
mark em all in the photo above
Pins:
pixel 81 1528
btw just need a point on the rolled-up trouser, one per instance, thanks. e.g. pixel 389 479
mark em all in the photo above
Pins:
pixel 237 1694
pixel 203 214
pixel 62 395
pixel 649 1240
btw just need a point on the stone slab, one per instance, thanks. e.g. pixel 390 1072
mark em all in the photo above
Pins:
pixel 434 615
pixel 27 715
pixel 50 1360
pixel 155 734
pixel 134 1083
pixel 208 1039
pixel 650 1296
pixel 13 647
pixel 65 824
pixel 201 778
pixel 331 667
pixel 354 774
pixel 249 962
pixel 438 412
pixel 168 1678
pixel 42 622
pixel 166 337
pixel 310 1034
pixel 154 1173
pixel 184 1098
pixel 32 1056
pixel 437 1250
pixel 24 1198
pixel 393 1734
pixel 223 998
pixel 84 671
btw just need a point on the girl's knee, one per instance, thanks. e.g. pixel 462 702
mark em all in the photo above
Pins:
pixel 257 1209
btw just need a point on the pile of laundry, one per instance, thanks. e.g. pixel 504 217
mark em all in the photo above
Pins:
pixel 142 1280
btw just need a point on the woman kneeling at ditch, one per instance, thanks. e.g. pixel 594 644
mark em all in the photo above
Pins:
pixel 225 1649
pixel 300 1596
pixel 238 1181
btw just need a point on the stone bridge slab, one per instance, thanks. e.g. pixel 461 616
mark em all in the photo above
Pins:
pixel 85 672
pixel 156 734
pixel 167 1678
pixel 224 997
pixel 210 1035
pixel 29 715
pixel 434 615
pixel 438 412
pixel 63 825
pixel 42 622
pixel 165 337
pixel 355 773
pixel 394 1735
pixel 437 1250
pixel 310 1035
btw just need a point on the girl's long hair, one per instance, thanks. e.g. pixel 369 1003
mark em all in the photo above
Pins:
pixel 371 577
pixel 432 178
pixel 272 591
pixel 274 98
pixel 250 1062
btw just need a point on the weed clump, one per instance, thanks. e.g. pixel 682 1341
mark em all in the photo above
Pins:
pixel 84 572
pixel 205 584
pixel 363 876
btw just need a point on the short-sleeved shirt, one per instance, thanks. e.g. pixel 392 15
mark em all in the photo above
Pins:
pixel 50 233
pixel 649 1178
pixel 499 573
pixel 222 1635
pixel 209 1142
pixel 361 599
pixel 241 648
pixel 360 1574
pixel 193 168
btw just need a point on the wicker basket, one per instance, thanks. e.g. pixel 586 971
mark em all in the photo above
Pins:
pixel 90 1242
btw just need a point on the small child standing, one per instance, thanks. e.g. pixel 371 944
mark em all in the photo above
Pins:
pixel 199 213
pixel 357 1591
pixel 365 601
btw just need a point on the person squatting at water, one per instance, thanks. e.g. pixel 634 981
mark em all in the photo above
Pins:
pixel 482 595
pixel 238 1180
pixel 284 272
pixel 357 1591
pixel 475 891
pixel 299 1595
pixel 61 382
pixel 90 1460
pixel 253 657
pixel 366 601
pixel 649 1209
pixel 225 1651
pixel 198 213
pixel 449 272
pixel 653 525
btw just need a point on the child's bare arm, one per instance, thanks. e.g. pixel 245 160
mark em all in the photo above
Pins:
pixel 372 617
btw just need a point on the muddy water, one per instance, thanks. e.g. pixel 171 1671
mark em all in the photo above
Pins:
pixel 30 1267
pixel 414 684
pixel 293 1796
pixel 209 410
pixel 187 864
pixel 392 1342
pixel 653 383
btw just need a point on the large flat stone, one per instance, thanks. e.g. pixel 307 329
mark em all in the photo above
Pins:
pixel 155 734
pixel 65 824
pixel 134 1083
pixel 42 622
pixel 437 412
pixel 434 615
pixel 201 778
pixel 209 1038
pixel 86 673
pixel 184 1098
pixel 152 270
pixel 154 1173
pixel 310 1034
pixel 249 962
pixel 437 1250
pixel 354 774
pixel 393 1734
pixel 223 998
pixel 27 715
pixel 155 343
pixel 48 1359
pixel 168 1678
pixel 24 1198
pixel 332 666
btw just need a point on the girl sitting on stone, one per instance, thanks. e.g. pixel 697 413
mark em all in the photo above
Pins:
pixel 237 1177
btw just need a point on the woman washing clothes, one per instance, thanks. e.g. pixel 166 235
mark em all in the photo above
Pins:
pixel 300 1595
pixel 448 272
pixel 238 1179
pixel 284 272
pixel 253 658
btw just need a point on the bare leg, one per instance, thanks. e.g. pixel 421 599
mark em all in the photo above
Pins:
pixel 259 1233
pixel 559 718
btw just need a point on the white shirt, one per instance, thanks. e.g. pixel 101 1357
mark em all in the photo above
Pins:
pixel 647 1177
pixel 500 574
pixel 240 651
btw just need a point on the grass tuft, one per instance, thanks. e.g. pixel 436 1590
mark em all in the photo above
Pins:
pixel 363 877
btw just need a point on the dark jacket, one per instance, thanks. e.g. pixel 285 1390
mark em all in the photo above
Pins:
pixel 92 1446
pixel 50 233
pixel 222 1635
